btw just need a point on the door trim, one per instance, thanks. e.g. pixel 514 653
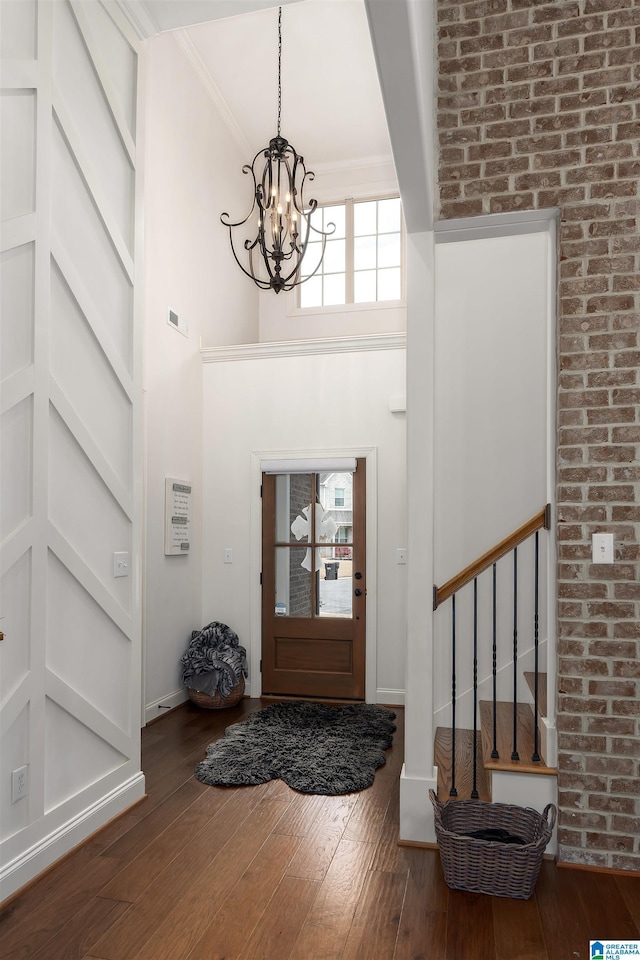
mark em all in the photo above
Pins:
pixel 255 648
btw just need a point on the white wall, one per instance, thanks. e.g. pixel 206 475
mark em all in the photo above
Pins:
pixel 193 173
pixel 70 431
pixel 332 401
pixel 493 409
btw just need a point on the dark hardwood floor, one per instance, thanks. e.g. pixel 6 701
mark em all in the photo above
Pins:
pixel 263 873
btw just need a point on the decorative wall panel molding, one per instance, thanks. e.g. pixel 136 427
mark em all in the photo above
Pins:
pixel 70 691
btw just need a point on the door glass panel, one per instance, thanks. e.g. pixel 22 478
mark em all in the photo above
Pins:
pixel 293 581
pixel 335 532
pixel 293 496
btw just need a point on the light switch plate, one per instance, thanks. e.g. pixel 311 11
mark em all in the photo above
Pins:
pixel 602 548
pixel 121 564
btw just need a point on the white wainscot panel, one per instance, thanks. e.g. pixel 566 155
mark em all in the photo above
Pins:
pixel 15 594
pixel 87 379
pixel 16 309
pixel 18 30
pixel 14 753
pixel 17 166
pixel 83 98
pixel 86 242
pixel 120 58
pixel 84 511
pixel 75 757
pixel 85 648
pixel 16 431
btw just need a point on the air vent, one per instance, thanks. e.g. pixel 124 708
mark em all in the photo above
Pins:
pixel 177 323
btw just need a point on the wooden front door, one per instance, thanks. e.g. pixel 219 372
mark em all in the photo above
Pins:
pixel 314 584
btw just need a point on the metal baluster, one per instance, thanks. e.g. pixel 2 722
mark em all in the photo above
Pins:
pixel 453 792
pixel 494 753
pixel 514 753
pixel 474 792
pixel 536 637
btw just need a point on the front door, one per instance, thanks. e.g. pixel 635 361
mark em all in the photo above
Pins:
pixel 313 584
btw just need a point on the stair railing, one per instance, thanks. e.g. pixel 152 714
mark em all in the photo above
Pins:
pixel 510 544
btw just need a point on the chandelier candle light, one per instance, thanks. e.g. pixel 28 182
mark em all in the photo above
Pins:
pixel 284 219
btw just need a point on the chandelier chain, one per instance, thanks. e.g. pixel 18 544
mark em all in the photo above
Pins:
pixel 279 66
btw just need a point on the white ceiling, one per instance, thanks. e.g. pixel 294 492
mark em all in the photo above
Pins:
pixel 332 110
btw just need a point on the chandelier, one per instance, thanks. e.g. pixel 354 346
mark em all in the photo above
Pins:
pixel 283 216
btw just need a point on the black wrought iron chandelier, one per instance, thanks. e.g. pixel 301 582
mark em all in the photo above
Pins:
pixel 284 225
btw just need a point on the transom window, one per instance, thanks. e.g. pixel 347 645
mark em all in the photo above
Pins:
pixel 363 257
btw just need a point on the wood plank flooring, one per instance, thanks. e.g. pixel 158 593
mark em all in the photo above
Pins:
pixel 263 873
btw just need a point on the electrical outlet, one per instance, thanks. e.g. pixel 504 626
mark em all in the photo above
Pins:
pixel 19 783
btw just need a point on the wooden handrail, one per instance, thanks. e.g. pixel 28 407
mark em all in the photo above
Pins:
pixel 541 521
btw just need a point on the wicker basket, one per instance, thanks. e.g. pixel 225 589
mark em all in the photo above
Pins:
pixel 489 866
pixel 217 702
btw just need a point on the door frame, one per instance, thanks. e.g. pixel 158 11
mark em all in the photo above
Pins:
pixel 370 454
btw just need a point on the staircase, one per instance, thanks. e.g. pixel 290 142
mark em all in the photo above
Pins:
pixel 501 754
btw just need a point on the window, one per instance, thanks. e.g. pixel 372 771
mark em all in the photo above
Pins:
pixel 363 257
pixel 338 497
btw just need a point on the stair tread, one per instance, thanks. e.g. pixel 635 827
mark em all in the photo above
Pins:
pixel 464 764
pixel 542 690
pixel 504 739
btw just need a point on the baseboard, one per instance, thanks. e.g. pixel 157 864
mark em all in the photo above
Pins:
pixel 590 868
pixel 416 811
pixel 19 872
pixel 390 697
pixel 154 710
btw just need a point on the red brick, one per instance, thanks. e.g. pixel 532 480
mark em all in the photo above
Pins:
pixel 612 454
pixel 486 151
pixel 555 86
pixel 551 50
pixel 541 143
pixel 533 108
pixel 609 38
pixel 605 841
pixel 612 688
pixel 460 65
pixel 587 705
pixel 608 304
pixel 629 787
pixel 558 158
pixel 629 668
pixel 590 174
pixel 529 34
pixel 612 804
pixel 581 138
pixel 607 265
pixel 493 168
pixel 480 44
pixel 610 414
pixel 620 113
pixel 466 208
pixel 625 94
pixel 583 64
pixel 505 58
pixel 485 78
pixel 607 78
pixel 580 25
pixel 614 725
pixel 625 747
pixel 481 187
pixel 522 201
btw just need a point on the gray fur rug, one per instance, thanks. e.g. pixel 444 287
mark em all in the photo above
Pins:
pixel 312 747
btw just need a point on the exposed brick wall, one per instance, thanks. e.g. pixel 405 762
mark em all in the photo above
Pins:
pixel 539 106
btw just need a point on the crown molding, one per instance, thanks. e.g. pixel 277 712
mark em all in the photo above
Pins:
pixel 139 17
pixel 303 348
